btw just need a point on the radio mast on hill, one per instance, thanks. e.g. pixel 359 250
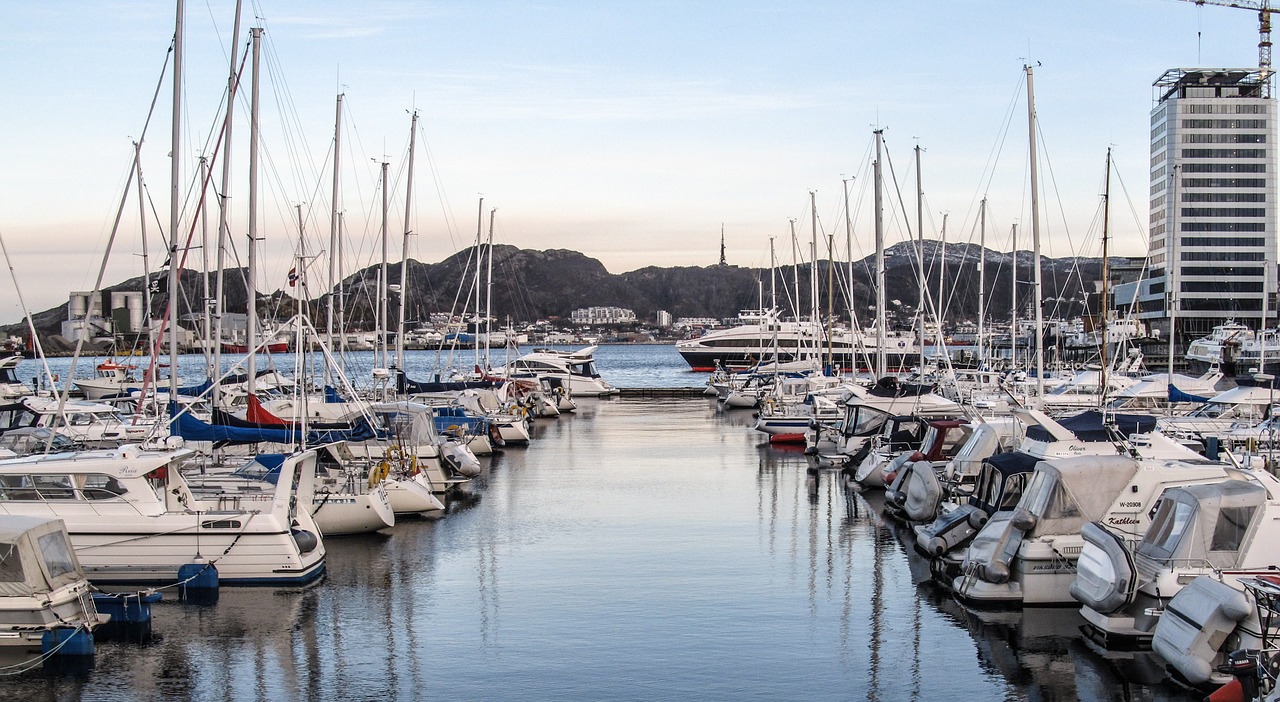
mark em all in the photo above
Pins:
pixel 722 261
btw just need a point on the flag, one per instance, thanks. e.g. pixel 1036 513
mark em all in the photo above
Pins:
pixel 293 276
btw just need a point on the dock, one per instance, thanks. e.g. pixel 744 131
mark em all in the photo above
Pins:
pixel 660 392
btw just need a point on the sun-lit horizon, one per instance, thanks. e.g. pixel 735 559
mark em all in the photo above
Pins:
pixel 628 133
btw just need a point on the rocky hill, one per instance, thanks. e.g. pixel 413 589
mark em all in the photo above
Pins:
pixel 530 285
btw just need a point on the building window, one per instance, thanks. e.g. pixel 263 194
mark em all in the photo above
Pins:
pixel 1224 197
pixel 1225 227
pixel 1223 139
pixel 1224 256
pixel 1224 212
pixel 1223 241
pixel 1219 271
pixel 1226 304
pixel 1224 182
pixel 1222 286
pixel 1223 153
pixel 1224 168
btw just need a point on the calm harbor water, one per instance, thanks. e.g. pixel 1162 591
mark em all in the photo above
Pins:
pixel 641 549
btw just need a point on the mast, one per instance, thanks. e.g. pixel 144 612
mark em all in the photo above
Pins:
pixel 831 299
pixel 982 281
pixel 772 317
pixel 224 214
pixel 881 313
pixel 920 252
pixel 175 201
pixel 382 283
pixel 795 270
pixel 1035 238
pixel 475 341
pixel 1013 299
pixel 488 295
pixel 342 299
pixel 146 261
pixel 251 284
pixel 334 272
pixel 854 332
pixel 813 273
pixel 207 326
pixel 942 274
pixel 404 256
pixel 1106 313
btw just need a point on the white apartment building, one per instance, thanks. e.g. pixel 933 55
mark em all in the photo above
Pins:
pixel 1213 217
pixel 603 315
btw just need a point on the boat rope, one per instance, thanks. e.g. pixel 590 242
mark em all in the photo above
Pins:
pixel 248 516
pixel 24 666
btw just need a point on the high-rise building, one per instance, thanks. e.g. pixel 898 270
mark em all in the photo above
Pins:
pixel 1213 216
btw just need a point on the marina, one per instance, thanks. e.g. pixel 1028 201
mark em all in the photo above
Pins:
pixel 641 548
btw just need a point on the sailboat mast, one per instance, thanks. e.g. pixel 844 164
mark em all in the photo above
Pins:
pixel 146 259
pixel 813 273
pixel 475 285
pixel 382 279
pixel 1013 303
pixel 881 312
pixel 772 317
pixel 982 282
pixel 207 326
pixel 1035 237
pixel 854 332
pixel 1106 222
pixel 488 294
pixel 942 274
pixel 404 256
pixel 920 252
pixel 224 213
pixel 334 272
pixel 175 200
pixel 795 271
pixel 251 285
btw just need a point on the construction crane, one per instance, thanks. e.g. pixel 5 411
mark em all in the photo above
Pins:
pixel 1263 8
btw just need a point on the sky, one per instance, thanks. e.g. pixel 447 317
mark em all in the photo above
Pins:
pixel 632 132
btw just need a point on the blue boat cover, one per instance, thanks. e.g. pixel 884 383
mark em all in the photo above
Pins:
pixel 1090 426
pixel 1176 395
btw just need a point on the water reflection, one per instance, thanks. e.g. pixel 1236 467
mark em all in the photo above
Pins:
pixel 643 549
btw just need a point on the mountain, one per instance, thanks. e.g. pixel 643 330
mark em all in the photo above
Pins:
pixel 530 285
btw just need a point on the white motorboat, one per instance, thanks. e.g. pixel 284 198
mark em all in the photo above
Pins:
pixel 109 380
pixel 91 424
pixel 42 586
pixel 1221 347
pixel 1227 530
pixel 11 388
pixel 760 334
pixel 579 366
pixel 1028 556
pixel 133 519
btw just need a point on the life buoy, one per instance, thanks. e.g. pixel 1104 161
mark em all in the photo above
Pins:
pixel 379 473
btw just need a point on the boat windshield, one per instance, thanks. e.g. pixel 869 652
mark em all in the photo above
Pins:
pixel 586 369
pixel 1172 519
pixel 864 421
pixel 1044 496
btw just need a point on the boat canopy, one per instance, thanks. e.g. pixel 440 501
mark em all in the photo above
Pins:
pixel 1065 493
pixel 406 386
pixel 35 556
pixel 1207 523
pixel 1095 426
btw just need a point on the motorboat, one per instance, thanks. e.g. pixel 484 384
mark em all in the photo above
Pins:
pixel 1027 556
pixel 941 440
pixel 1221 347
pixel 11 388
pixel 761 334
pixel 92 424
pixel 865 416
pixel 132 517
pixel 109 379
pixel 43 589
pixel 580 366
pixel 1227 530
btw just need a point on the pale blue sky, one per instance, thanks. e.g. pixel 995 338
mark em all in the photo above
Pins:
pixel 627 131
